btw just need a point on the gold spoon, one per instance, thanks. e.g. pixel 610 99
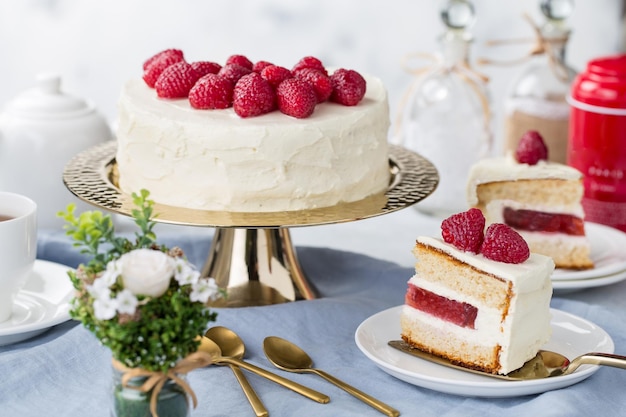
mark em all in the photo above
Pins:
pixel 210 347
pixel 289 357
pixel 544 365
pixel 237 351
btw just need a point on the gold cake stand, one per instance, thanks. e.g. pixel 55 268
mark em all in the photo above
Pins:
pixel 252 255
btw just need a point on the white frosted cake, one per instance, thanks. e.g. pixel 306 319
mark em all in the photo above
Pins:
pixel 480 313
pixel 216 160
pixel 542 202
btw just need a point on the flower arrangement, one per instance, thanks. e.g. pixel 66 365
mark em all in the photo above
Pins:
pixel 143 301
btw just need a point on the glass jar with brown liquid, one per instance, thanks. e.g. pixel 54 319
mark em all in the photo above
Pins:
pixel 537 100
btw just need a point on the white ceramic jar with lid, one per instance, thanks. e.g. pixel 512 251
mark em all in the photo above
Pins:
pixel 41 129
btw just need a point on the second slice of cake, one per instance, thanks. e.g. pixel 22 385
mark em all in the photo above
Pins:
pixel 541 200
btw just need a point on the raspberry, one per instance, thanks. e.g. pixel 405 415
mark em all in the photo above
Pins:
pixel 240 60
pixel 176 80
pixel 348 87
pixel 211 92
pixel 253 96
pixel 168 52
pixel 158 63
pixel 503 244
pixel 464 230
pixel 309 62
pixel 296 98
pixel 206 67
pixel 275 74
pixel 258 66
pixel 233 72
pixel 531 148
pixel 319 81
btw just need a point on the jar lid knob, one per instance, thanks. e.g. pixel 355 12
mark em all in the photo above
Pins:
pixel 49 83
pixel 458 14
pixel 557 9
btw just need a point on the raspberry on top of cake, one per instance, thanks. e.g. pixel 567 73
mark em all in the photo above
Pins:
pixel 243 136
pixel 539 199
pixel 479 298
pixel 252 89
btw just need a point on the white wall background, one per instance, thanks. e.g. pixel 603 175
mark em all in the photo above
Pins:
pixel 97 45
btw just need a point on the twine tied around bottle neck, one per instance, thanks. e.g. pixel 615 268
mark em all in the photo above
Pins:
pixel 155 380
pixel 542 45
pixel 461 68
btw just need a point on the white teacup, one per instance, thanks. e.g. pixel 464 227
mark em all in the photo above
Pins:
pixel 18 247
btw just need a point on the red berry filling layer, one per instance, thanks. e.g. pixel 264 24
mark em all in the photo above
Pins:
pixel 537 221
pixel 461 314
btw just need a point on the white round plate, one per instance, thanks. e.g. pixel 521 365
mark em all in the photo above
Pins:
pixel 564 286
pixel 41 304
pixel 571 336
pixel 607 253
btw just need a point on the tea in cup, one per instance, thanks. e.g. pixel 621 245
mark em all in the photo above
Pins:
pixel 18 247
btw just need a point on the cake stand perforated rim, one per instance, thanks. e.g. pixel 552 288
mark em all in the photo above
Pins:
pixel 90 176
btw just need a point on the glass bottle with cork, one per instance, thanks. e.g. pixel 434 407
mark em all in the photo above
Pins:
pixel 445 114
pixel 537 99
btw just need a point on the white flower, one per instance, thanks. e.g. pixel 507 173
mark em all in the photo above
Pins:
pixel 104 281
pixel 146 271
pixel 104 308
pixel 126 302
pixel 99 289
pixel 203 290
pixel 110 274
pixel 185 272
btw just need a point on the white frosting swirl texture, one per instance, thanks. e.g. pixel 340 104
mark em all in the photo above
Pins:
pixel 215 160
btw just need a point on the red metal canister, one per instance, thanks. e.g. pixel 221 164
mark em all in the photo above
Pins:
pixel 597 138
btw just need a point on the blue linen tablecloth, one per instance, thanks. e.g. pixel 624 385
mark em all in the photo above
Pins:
pixel 65 372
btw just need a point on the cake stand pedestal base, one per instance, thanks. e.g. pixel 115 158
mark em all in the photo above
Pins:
pixel 256 267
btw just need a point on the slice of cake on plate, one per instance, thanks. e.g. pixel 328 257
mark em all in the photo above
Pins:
pixel 481 301
pixel 539 199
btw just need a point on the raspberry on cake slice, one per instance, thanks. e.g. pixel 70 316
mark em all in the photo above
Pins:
pixel 473 308
pixel 541 200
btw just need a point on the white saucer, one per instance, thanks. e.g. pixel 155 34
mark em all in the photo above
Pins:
pixel 607 253
pixel 42 303
pixel 572 336
pixel 564 286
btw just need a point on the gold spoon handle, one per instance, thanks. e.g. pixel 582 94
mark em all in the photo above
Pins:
pixel 595 358
pixel 367 399
pixel 253 398
pixel 292 385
